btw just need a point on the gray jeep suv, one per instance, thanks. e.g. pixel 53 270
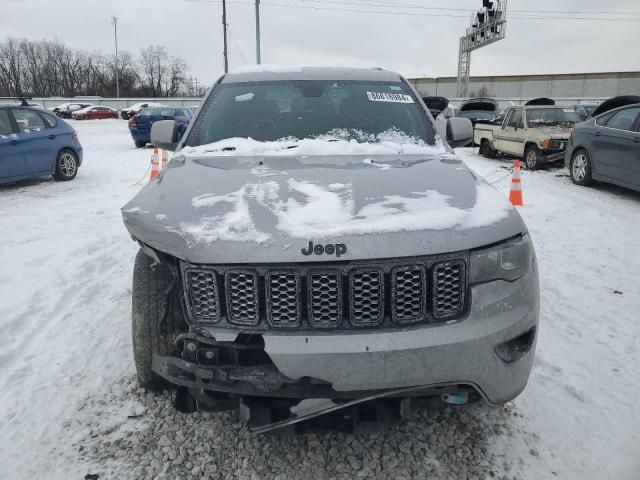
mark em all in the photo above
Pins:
pixel 314 238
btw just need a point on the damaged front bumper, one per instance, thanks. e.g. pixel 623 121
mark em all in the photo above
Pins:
pixel 553 156
pixel 356 364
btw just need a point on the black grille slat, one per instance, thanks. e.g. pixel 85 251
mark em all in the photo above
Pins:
pixel 448 289
pixel 325 299
pixel 409 292
pixel 241 288
pixel 367 297
pixel 202 295
pixel 283 299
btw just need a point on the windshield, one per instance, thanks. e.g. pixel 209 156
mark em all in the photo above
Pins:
pixel 269 111
pixel 479 115
pixel 552 116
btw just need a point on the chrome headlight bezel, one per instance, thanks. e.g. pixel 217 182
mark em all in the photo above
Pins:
pixel 507 261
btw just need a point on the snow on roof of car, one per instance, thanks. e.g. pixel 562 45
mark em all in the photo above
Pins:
pixel 258 73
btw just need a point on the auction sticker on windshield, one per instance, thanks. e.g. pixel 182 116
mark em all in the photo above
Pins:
pixel 389 97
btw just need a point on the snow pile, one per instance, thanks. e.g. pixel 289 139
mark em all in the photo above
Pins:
pixel 69 404
pixel 387 143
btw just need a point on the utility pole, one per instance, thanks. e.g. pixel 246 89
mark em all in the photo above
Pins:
pixel 224 29
pixel 114 21
pixel 258 32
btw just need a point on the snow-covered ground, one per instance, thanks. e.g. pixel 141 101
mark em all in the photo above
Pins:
pixel 69 405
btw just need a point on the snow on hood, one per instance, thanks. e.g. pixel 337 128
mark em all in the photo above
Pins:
pixel 387 143
pixel 219 208
pixel 312 210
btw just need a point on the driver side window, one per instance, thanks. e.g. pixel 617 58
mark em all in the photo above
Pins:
pixel 515 120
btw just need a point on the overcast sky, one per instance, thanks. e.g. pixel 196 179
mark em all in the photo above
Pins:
pixel 311 34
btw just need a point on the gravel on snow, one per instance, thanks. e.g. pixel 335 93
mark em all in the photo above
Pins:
pixel 69 403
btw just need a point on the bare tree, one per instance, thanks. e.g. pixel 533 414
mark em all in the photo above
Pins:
pixel 48 68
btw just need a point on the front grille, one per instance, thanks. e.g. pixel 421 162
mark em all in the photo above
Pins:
pixel 202 295
pixel 325 299
pixel 340 295
pixel 242 297
pixel 448 291
pixel 283 299
pixel 408 294
pixel 367 298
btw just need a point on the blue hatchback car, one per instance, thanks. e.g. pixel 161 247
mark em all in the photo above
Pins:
pixel 35 143
pixel 140 125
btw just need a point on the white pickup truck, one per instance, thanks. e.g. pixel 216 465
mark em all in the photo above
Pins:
pixel 537 134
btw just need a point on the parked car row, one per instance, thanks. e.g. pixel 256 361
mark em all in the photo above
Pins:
pixel 595 142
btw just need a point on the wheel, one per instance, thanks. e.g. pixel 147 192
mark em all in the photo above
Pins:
pixel 66 166
pixel 140 143
pixel 486 150
pixel 580 168
pixel 156 316
pixel 532 157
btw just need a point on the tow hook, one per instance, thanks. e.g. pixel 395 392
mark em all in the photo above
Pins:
pixel 455 398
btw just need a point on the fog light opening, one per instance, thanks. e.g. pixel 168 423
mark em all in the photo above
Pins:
pixel 516 348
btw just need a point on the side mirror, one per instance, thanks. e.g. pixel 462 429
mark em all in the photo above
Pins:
pixel 459 132
pixel 164 134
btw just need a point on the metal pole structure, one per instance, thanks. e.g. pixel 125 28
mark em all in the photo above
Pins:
pixel 114 21
pixel 258 32
pixel 224 29
pixel 487 26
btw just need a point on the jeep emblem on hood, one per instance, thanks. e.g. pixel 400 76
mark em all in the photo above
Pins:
pixel 330 249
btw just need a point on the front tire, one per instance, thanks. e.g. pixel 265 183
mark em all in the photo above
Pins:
pixel 580 168
pixel 66 166
pixel 486 150
pixel 157 317
pixel 532 157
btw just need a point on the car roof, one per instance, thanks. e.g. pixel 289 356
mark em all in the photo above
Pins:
pixel 268 73
pixel 14 105
pixel 544 107
pixel 614 110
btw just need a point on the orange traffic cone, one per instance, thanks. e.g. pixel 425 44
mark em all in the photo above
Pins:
pixel 165 159
pixel 515 195
pixel 155 164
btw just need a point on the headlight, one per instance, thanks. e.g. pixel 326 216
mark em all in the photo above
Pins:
pixel 508 261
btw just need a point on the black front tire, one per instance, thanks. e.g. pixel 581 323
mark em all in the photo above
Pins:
pixel 532 157
pixel 157 317
pixel 486 150
pixel 140 144
pixel 66 166
pixel 580 168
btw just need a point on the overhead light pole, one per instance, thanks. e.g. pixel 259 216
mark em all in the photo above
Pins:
pixel 258 32
pixel 224 30
pixel 114 22
pixel 487 26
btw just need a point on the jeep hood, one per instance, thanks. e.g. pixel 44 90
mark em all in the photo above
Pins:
pixel 261 209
